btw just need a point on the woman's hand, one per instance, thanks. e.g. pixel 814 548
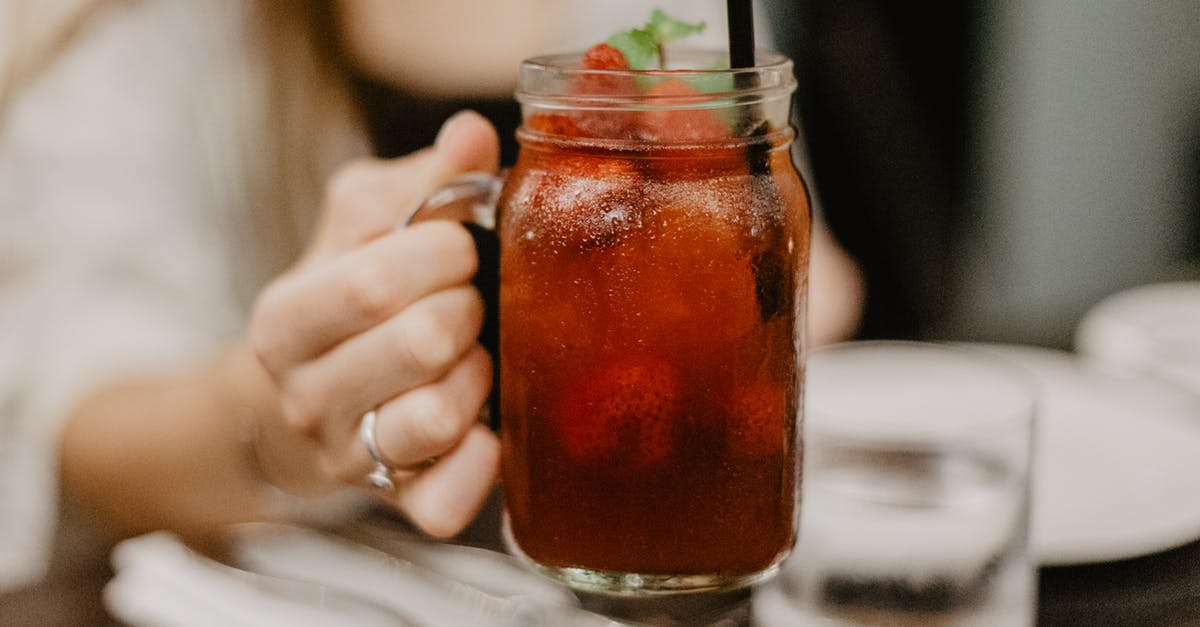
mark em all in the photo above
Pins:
pixel 385 319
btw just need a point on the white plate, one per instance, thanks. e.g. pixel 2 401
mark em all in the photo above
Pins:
pixel 1151 331
pixel 1117 464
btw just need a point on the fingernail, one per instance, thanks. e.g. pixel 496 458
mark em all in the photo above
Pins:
pixel 448 126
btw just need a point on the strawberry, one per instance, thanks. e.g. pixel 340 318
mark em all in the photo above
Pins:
pixel 553 124
pixel 606 80
pixel 754 417
pixel 679 124
pixel 604 57
pixel 629 405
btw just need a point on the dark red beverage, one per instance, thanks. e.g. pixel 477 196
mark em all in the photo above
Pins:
pixel 653 266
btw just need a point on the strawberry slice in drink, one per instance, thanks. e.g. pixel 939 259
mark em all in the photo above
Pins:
pixel 626 406
pixel 678 115
pixel 603 77
pixel 598 77
pixel 559 124
pixel 755 414
pixel 604 57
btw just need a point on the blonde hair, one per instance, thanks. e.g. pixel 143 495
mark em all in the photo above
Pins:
pixel 311 122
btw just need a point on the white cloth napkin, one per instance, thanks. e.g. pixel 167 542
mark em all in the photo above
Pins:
pixel 302 578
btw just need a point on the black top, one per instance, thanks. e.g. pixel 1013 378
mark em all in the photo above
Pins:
pixel 399 123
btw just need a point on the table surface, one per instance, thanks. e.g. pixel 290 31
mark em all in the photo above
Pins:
pixel 1158 589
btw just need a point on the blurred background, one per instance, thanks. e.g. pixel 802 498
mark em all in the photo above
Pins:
pixel 997 168
pixel 1000 167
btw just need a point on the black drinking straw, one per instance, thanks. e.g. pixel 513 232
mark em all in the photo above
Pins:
pixel 740 15
pixel 769 263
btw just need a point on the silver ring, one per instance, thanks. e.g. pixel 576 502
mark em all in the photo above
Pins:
pixel 380 476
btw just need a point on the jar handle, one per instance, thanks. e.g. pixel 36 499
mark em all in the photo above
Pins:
pixel 469 198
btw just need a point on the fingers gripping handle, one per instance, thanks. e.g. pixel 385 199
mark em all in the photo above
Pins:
pixel 471 200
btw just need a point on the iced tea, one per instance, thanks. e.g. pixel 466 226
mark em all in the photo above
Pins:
pixel 653 273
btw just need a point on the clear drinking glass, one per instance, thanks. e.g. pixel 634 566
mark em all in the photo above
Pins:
pixel 654 239
pixel 916 488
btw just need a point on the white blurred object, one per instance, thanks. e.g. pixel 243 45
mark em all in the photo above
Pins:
pixel 1116 470
pixel 285 575
pixel 915 459
pixel 1151 331
pixel 161 582
pixel 1115 475
pixel 915 490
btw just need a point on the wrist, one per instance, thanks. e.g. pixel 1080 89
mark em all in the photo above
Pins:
pixel 248 398
pixel 279 459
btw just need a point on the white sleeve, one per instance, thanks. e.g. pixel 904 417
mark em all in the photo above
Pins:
pixel 113 259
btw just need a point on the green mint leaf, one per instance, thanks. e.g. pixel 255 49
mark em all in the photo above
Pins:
pixel 669 28
pixel 638 46
pixel 643 46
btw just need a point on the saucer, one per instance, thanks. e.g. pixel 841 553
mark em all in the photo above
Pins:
pixel 1116 470
pixel 1150 331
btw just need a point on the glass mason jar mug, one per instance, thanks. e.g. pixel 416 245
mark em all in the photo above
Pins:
pixel 654 240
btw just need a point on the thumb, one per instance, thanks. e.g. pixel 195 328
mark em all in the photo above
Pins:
pixel 467 142
pixel 367 199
